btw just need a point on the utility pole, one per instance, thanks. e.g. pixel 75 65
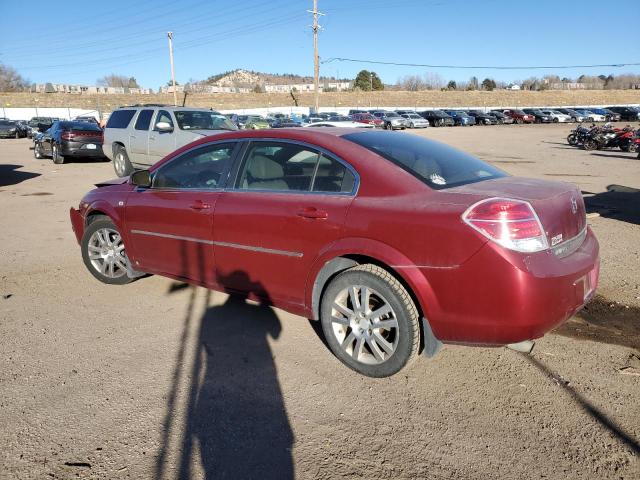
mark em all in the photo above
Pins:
pixel 173 73
pixel 316 60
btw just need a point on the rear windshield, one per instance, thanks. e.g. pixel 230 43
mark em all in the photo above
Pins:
pixel 82 126
pixel 436 164
pixel 5 123
pixel 197 120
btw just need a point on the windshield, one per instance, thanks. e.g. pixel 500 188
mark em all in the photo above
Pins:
pixel 4 123
pixel 391 114
pixel 413 115
pixel 81 126
pixel 196 120
pixel 518 112
pixel 434 163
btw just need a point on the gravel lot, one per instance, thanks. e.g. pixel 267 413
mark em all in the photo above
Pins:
pixel 162 380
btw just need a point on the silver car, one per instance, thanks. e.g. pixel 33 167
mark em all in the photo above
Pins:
pixel 392 121
pixel 414 120
pixel 137 137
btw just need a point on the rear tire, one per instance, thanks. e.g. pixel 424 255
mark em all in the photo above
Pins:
pixel 590 145
pixel 103 252
pixel 519 121
pixel 37 151
pixel 58 159
pixel 121 163
pixel 349 325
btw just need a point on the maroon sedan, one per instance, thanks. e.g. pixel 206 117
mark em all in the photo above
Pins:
pixel 368 119
pixel 392 241
pixel 519 116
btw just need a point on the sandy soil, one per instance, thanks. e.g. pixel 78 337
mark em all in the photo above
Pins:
pixel 161 380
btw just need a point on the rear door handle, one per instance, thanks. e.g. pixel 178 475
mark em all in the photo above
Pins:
pixel 199 205
pixel 312 212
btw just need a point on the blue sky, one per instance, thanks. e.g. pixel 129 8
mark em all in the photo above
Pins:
pixel 79 41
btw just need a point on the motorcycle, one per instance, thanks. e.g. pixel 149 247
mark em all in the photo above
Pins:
pixel 578 135
pixel 609 137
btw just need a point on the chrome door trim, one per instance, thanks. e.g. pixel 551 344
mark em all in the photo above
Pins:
pixel 239 246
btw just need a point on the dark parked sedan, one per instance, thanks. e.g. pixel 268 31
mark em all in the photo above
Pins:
pixel 393 242
pixel 483 118
pixel 502 118
pixel 627 114
pixel 539 115
pixel 10 129
pixel 437 118
pixel 69 139
pixel 460 117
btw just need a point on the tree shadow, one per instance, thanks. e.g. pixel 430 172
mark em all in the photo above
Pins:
pixel 590 409
pixel 618 202
pixel 236 424
pixel 10 175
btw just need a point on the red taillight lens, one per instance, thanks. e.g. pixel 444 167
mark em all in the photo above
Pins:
pixel 510 223
pixel 67 135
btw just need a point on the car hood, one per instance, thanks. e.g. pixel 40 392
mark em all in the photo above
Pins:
pixel 7 127
pixel 114 181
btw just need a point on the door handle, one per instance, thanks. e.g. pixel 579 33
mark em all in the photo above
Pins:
pixel 199 205
pixel 312 212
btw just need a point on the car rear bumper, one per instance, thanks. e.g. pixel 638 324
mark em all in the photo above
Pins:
pixel 78 149
pixel 502 297
pixel 77 223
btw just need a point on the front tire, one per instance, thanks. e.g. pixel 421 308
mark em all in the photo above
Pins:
pixel 58 158
pixel 590 145
pixel 103 252
pixel 388 126
pixel 121 163
pixel 572 139
pixel 370 321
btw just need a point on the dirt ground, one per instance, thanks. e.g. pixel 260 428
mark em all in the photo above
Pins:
pixel 161 380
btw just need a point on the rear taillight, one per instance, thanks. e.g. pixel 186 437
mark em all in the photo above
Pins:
pixel 67 135
pixel 510 223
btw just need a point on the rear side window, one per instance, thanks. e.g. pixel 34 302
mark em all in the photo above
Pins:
pixel 292 167
pixel 120 118
pixel 434 163
pixel 144 120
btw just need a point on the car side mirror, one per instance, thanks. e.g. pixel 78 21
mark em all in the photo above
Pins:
pixel 141 178
pixel 164 127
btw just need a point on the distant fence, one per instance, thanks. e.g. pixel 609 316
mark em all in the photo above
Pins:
pixel 27 113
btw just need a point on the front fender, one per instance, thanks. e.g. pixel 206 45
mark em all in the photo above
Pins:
pixel 386 255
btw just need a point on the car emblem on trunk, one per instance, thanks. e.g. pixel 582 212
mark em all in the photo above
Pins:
pixel 574 205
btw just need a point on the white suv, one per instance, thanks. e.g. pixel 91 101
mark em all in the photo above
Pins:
pixel 140 135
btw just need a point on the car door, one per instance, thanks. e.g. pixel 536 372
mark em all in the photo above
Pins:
pixel 161 143
pixel 288 204
pixel 169 225
pixel 139 137
pixel 45 141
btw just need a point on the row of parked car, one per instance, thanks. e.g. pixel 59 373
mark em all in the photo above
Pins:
pixel 402 119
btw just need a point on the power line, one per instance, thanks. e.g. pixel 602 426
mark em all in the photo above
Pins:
pixel 479 67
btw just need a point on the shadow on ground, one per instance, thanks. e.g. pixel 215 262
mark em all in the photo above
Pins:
pixel 618 202
pixel 605 321
pixel 10 175
pixel 595 413
pixel 236 424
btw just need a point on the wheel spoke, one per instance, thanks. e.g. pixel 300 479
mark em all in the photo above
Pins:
pixel 343 310
pixel 121 265
pixel 94 249
pixel 348 340
pixel 380 312
pixel 386 346
pixel 388 324
pixel 365 293
pixel 357 350
pixel 111 271
pixel 355 299
pixel 375 349
pixel 95 256
pixel 103 267
pixel 340 320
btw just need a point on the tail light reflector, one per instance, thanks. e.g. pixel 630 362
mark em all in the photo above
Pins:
pixel 67 135
pixel 510 223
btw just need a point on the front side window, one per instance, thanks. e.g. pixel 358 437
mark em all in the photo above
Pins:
pixel 164 116
pixel 201 169
pixel 290 167
pixel 144 120
pixel 434 163
pixel 199 120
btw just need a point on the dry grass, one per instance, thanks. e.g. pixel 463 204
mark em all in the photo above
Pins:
pixel 500 98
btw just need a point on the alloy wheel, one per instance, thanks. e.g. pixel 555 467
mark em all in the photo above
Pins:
pixel 106 253
pixel 364 324
pixel 118 164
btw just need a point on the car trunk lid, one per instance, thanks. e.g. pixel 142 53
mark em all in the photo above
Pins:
pixel 559 206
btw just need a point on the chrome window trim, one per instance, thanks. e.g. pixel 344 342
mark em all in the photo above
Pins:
pixel 321 150
pixel 239 246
